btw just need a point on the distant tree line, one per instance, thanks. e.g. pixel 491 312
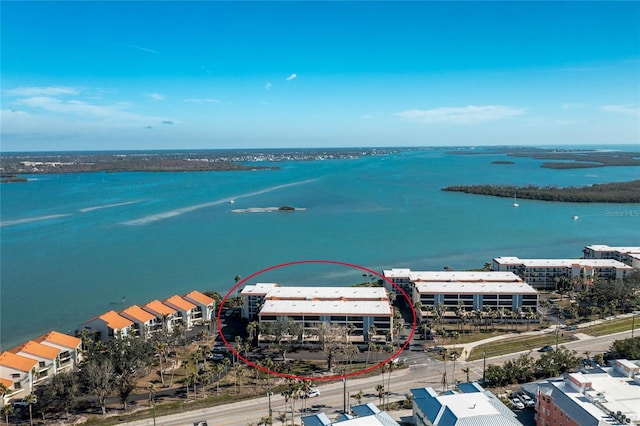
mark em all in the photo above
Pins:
pixel 618 192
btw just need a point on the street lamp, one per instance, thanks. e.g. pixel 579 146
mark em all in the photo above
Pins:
pixel 633 321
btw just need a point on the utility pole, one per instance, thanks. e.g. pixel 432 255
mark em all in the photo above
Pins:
pixel 344 395
pixel 484 365
pixel 557 330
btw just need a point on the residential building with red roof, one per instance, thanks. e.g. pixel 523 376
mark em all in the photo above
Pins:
pixel 70 348
pixel 205 306
pixel 184 310
pixel 19 370
pixel 165 315
pixel 143 321
pixel 108 325
pixel 46 356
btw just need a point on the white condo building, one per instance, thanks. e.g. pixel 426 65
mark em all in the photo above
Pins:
pixel 547 274
pixel 471 290
pixel 356 308
pixel 627 255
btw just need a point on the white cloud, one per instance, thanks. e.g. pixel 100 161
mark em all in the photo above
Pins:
pixel 82 109
pixel 42 91
pixel 461 115
pixel 201 101
pixel 291 77
pixel 628 109
pixel 268 85
pixel 154 96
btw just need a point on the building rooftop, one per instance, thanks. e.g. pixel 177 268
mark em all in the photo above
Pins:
pixel 115 321
pixel 326 307
pixel 139 314
pixel 604 247
pixel 508 287
pixel 474 406
pixel 36 349
pixel 258 289
pixel 200 297
pixel 604 390
pixel 397 273
pixel 464 276
pixel 17 362
pixel 562 263
pixel 60 339
pixel 327 293
pixel 178 301
pixel 159 308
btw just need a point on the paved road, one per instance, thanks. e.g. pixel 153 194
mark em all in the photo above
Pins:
pixel 422 371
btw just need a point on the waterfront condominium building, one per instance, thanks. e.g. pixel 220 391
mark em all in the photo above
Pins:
pixel 627 255
pixel 554 274
pixel 355 308
pixel 454 291
pixel 592 397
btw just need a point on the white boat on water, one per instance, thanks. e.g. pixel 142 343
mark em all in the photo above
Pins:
pixel 515 202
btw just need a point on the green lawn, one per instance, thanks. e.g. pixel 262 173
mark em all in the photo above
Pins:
pixel 517 344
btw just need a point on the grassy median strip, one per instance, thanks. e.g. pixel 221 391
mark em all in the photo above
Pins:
pixel 610 327
pixel 517 344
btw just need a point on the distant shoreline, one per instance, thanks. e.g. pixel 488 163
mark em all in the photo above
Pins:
pixel 621 192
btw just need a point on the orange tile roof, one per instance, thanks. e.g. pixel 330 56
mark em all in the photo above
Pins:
pixel 17 362
pixel 115 321
pixel 6 382
pixel 138 313
pixel 178 301
pixel 160 308
pixel 37 349
pixel 199 297
pixel 60 339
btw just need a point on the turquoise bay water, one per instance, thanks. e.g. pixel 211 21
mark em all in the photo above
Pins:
pixel 74 245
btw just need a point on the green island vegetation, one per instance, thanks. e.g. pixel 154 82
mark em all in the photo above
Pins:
pixel 128 378
pixel 14 164
pixel 563 158
pixel 617 192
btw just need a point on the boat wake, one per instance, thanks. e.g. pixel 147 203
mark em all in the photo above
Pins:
pixel 107 206
pixel 177 212
pixel 265 209
pixel 31 219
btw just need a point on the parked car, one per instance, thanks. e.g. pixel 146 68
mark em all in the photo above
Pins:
pixel 546 348
pixel 23 402
pixel 527 400
pixel 215 356
pixel 202 423
pixel 517 404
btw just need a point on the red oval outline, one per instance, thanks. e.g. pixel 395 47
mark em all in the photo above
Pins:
pixel 326 378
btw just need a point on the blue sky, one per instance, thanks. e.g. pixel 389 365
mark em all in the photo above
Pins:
pixel 173 75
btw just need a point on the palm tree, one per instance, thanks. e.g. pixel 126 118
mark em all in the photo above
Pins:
pixel 161 349
pixel 390 367
pixel 252 330
pixel 238 372
pixel 31 399
pixel 217 370
pixel 7 410
pixel 466 370
pixel 236 279
pixel 358 396
pixel 286 394
pixel 380 390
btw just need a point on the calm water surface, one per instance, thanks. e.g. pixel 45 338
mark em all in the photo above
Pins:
pixel 73 246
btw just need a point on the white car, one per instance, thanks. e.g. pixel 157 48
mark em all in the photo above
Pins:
pixel 517 404
pixel 313 393
pixel 527 400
